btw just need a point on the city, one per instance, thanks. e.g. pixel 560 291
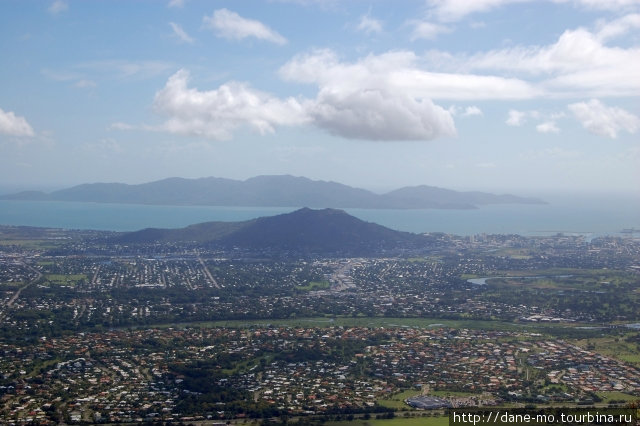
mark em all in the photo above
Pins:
pixel 102 332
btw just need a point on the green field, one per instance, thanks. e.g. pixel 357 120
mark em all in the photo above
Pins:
pixel 616 396
pixel 10 286
pixel 561 278
pixel 377 322
pixel 314 285
pixel 31 244
pixel 615 347
pixel 67 280
pixel 398 421
pixel 397 401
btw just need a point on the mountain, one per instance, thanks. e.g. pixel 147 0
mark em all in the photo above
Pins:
pixel 326 231
pixel 419 197
pixel 269 191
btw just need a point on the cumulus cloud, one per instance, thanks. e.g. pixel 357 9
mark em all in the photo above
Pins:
pixel 455 10
pixel 215 114
pixel 180 33
pixel 471 110
pixel 516 118
pixel 548 127
pixel 361 100
pixel 618 27
pixel 14 125
pixel 369 25
pixel 58 6
pixel 400 72
pixel 427 30
pixel 372 98
pixel 603 120
pixel 613 5
pixel 574 50
pixel 577 62
pixel 377 114
pixel 230 25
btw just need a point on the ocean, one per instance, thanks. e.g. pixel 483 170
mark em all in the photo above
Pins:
pixel 586 216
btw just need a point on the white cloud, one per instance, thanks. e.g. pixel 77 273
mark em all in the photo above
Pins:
pixel 574 50
pixel 455 10
pixel 369 25
pixel 471 111
pixel 230 25
pixel 176 3
pixel 427 30
pixel 516 118
pixel 399 71
pixel 14 125
pixel 377 114
pixel 372 99
pixel 466 112
pixel 180 33
pixel 576 64
pixel 603 120
pixel 547 127
pixel 614 5
pixel 215 114
pixel 58 6
pixel 356 101
pixel 618 27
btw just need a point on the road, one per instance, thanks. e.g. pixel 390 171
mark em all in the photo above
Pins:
pixel 15 296
pixel 207 272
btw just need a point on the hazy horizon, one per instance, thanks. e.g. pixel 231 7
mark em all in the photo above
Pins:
pixel 525 192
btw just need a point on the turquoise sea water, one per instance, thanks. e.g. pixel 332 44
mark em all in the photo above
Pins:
pixel 585 216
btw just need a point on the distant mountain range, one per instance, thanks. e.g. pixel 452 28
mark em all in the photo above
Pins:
pixel 270 191
pixel 327 232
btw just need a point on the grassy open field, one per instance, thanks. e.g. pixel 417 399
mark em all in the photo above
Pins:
pixel 615 347
pixel 376 322
pixel 314 285
pixel 398 421
pixel 10 286
pixel 397 401
pixel 31 244
pixel 67 280
pixel 616 396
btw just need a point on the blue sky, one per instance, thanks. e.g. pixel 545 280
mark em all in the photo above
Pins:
pixel 498 95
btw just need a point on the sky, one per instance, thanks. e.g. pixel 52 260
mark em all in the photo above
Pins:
pixel 497 95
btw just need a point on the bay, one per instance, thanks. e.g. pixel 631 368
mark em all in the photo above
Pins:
pixel 584 216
